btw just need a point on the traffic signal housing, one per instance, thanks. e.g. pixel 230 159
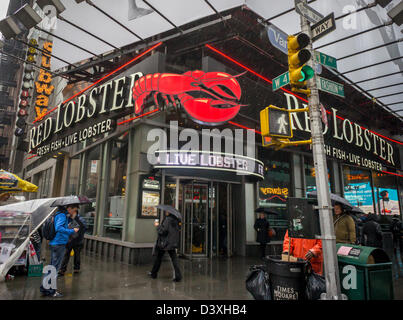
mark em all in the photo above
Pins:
pixel 298 56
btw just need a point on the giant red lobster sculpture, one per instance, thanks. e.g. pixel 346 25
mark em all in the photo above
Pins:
pixel 208 97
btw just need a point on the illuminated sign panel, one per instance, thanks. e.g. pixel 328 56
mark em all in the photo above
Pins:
pixel 209 98
pixel 220 161
pixel 43 86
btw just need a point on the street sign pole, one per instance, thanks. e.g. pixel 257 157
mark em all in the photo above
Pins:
pixel 331 270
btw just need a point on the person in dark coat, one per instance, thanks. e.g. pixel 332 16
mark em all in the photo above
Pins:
pixel 168 240
pixel 75 243
pixel 371 232
pixel 396 229
pixel 262 228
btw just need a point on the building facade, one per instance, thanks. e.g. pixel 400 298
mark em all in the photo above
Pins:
pixel 179 125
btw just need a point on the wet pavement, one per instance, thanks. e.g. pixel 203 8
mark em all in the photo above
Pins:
pixel 101 278
pixel 104 279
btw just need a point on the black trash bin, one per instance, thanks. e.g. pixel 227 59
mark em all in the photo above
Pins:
pixel 287 279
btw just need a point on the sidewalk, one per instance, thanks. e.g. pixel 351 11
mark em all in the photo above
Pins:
pixel 102 279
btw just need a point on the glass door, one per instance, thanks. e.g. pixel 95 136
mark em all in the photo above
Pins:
pixel 195 212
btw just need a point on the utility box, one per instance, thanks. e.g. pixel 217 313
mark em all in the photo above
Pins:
pixel 365 272
pixel 303 218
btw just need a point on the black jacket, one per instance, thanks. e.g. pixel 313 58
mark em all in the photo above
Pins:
pixel 372 234
pixel 168 233
pixel 396 228
pixel 262 227
pixel 77 238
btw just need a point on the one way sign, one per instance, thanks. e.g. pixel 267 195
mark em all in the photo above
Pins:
pixel 323 27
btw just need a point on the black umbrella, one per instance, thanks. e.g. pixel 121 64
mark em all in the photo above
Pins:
pixel 335 199
pixel 171 210
pixel 266 211
pixel 65 201
pixel 356 210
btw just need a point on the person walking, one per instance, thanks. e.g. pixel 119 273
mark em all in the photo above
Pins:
pixel 396 230
pixel 308 249
pixel 344 225
pixel 168 240
pixel 75 243
pixel 262 228
pixel 58 243
pixel 372 232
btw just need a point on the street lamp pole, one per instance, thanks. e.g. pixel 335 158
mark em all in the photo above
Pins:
pixel 331 270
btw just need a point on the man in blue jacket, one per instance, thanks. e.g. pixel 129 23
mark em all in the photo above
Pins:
pixel 58 243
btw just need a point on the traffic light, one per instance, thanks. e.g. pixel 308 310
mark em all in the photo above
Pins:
pixel 299 72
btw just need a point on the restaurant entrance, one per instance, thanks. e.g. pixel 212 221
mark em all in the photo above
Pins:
pixel 207 218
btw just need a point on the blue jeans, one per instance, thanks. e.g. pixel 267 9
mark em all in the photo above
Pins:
pixel 56 258
pixel 56 255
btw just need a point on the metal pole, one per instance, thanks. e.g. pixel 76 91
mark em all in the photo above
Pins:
pixel 328 238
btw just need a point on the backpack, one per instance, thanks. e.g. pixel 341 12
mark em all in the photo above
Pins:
pixel 48 228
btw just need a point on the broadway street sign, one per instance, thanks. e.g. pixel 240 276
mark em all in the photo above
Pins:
pixel 330 86
pixel 326 60
pixel 278 38
pixel 307 12
pixel 281 81
pixel 323 27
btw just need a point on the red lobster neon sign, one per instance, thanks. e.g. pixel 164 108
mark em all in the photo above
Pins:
pixel 209 98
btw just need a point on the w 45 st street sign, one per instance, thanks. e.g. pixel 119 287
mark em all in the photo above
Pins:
pixel 281 81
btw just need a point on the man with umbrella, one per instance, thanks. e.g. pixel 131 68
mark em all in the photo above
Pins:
pixel 66 206
pixel 168 240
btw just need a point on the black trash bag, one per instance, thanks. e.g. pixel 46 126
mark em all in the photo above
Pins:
pixel 315 286
pixel 257 283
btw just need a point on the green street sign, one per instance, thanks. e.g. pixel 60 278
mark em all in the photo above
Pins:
pixel 326 60
pixel 330 87
pixel 281 81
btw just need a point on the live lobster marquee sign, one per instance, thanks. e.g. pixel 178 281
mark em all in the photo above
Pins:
pixel 210 98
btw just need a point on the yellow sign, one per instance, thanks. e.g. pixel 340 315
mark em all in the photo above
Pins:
pixel 43 86
pixel 277 191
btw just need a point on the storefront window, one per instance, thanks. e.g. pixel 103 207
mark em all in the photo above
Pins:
pixel 92 170
pixel 310 175
pixel 73 178
pixel 275 189
pixel 386 194
pixel 43 181
pixel 88 214
pixel 113 217
pixel 358 188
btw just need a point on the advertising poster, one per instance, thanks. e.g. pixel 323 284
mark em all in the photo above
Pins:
pixel 360 195
pixel 150 200
pixel 387 201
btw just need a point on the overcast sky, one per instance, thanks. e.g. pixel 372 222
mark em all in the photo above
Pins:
pixel 3 8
